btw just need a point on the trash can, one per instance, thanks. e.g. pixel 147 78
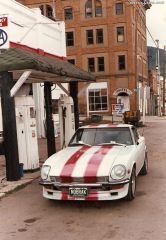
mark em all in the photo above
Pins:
pixel 21 169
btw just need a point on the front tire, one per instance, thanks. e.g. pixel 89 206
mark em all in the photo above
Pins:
pixel 132 186
pixel 144 169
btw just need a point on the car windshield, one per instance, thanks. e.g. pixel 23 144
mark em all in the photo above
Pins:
pixel 99 136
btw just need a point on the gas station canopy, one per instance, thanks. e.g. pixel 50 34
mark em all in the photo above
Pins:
pixel 44 68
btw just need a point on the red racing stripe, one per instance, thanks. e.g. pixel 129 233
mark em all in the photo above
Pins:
pixel 64 196
pixel 66 174
pixel 94 163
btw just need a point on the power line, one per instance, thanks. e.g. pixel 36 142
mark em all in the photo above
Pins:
pixel 132 3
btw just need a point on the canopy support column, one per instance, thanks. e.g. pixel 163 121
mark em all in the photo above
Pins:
pixel 51 149
pixel 9 127
pixel 74 95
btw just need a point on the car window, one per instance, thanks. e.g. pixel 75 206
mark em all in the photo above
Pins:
pixel 98 136
pixel 85 135
pixel 135 134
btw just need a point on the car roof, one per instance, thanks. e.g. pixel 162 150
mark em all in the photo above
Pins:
pixel 107 126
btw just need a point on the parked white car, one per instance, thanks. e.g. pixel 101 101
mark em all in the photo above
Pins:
pixel 100 163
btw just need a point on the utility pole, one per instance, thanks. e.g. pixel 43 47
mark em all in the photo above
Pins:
pixel 158 78
pixel 164 76
pixel 136 63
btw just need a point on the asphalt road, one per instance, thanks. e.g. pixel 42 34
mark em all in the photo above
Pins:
pixel 25 215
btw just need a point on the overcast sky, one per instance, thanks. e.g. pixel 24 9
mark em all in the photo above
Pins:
pixel 156 22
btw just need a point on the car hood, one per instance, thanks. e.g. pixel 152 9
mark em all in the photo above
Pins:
pixel 87 162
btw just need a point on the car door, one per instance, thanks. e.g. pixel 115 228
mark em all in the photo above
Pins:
pixel 140 149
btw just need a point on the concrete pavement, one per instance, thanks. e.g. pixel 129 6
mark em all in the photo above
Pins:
pixel 7 187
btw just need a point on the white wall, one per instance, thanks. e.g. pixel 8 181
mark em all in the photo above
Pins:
pixel 28 27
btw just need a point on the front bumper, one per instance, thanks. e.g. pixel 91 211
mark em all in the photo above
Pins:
pixel 96 191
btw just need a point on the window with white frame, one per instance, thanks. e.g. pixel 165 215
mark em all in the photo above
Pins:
pixel 98 97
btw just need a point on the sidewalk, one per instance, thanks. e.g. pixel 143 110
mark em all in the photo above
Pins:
pixel 7 187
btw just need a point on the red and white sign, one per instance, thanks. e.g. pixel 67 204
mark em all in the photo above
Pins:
pixel 4 35
pixel 117 108
pixel 3 22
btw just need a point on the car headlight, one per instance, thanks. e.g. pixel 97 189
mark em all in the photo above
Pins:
pixel 45 171
pixel 118 172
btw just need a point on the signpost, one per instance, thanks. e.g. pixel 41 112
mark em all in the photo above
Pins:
pixel 117 110
pixel 4 35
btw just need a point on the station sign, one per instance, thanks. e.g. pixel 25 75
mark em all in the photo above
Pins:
pixel 4 32
pixel 122 90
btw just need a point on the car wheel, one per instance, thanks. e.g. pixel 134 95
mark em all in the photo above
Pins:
pixel 132 186
pixel 144 169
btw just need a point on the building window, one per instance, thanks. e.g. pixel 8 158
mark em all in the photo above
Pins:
pixel 100 64
pixel 88 9
pixel 69 39
pixel 68 13
pixel 121 62
pixel 49 12
pixel 119 8
pixel 97 100
pixel 99 36
pixel 98 8
pixel 41 9
pixel 120 34
pixel 89 37
pixel 72 61
pixel 91 64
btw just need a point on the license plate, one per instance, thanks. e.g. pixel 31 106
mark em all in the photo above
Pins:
pixel 78 192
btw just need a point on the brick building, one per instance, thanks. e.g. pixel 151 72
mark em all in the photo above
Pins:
pixel 107 38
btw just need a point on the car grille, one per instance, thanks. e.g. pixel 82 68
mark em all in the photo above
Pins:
pixel 80 179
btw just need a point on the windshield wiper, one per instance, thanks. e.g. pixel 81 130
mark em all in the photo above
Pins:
pixel 112 143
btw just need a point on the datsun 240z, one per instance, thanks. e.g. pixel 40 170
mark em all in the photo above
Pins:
pixel 101 162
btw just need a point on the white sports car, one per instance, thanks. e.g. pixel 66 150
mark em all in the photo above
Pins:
pixel 101 162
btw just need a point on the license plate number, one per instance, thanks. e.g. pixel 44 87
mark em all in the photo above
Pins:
pixel 78 192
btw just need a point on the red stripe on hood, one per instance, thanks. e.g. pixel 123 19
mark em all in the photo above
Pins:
pixel 94 163
pixel 66 174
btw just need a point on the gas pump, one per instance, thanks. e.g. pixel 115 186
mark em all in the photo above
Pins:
pixel 66 119
pixel 26 132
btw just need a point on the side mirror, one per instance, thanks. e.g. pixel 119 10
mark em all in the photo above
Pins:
pixel 140 139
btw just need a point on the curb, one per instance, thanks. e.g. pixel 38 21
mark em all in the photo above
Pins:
pixel 10 187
